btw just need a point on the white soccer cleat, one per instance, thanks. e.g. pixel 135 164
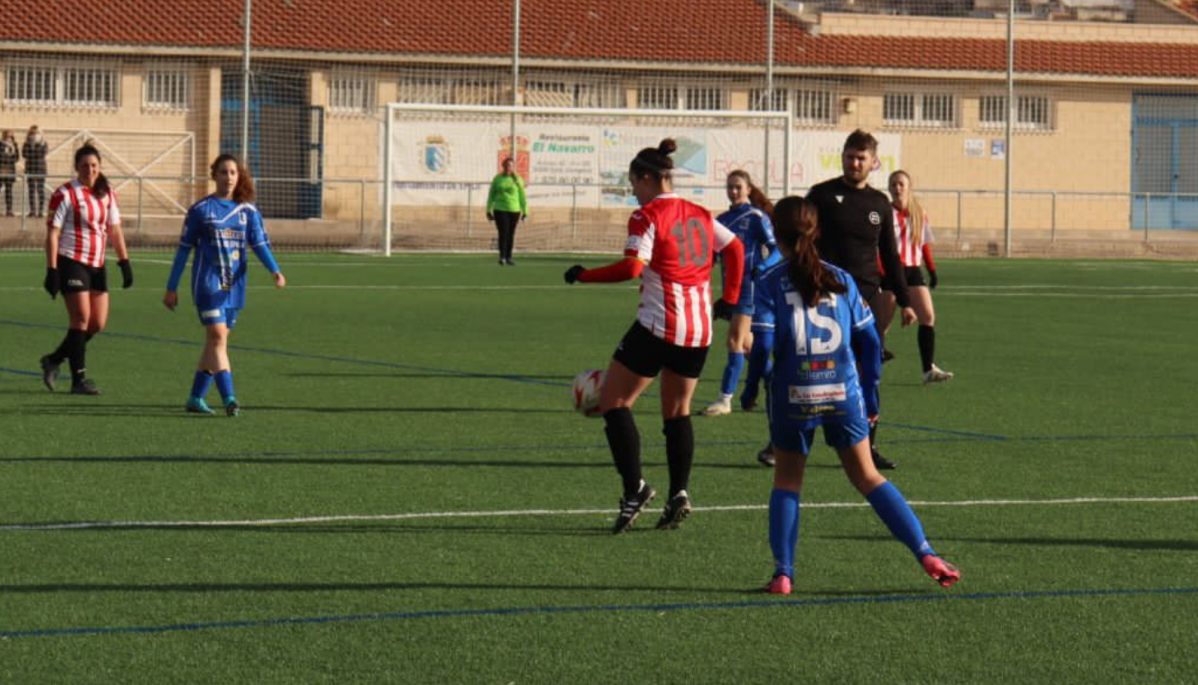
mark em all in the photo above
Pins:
pixel 718 408
pixel 937 375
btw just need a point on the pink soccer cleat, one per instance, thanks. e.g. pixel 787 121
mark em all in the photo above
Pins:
pixel 780 585
pixel 940 570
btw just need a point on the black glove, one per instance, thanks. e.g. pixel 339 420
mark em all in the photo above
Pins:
pixel 490 216
pixel 524 217
pixel 126 273
pixel 932 280
pixel 573 273
pixel 722 310
pixel 51 282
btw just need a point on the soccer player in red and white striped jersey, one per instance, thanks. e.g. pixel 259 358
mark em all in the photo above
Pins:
pixel 83 217
pixel 670 246
pixel 914 237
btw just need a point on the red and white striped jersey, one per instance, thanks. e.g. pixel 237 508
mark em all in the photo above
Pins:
pixel 911 255
pixel 677 240
pixel 84 220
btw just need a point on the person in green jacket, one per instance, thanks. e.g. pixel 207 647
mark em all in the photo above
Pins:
pixel 507 206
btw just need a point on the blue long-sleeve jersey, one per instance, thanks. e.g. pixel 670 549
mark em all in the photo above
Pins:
pixel 827 357
pixel 756 232
pixel 220 231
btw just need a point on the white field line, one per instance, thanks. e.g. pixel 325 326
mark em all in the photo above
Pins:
pixel 83 525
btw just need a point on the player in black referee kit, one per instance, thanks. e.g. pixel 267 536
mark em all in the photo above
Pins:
pixel 856 232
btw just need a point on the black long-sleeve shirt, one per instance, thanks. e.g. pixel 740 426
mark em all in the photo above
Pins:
pixel 856 229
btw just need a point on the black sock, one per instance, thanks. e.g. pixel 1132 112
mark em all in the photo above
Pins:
pixel 680 451
pixel 77 354
pixel 64 348
pixel 625 444
pixel 927 346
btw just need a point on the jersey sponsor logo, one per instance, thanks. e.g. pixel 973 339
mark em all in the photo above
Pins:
pixel 875 218
pixel 818 394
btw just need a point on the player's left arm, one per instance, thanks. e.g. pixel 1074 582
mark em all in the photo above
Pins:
pixel 766 229
pixel 260 244
pixel 116 236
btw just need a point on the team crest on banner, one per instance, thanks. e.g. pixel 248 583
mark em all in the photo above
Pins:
pixel 436 154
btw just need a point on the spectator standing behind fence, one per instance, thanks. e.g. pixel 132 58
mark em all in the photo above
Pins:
pixel 34 152
pixel 10 154
pixel 507 206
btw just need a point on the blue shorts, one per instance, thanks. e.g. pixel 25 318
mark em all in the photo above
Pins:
pixel 225 315
pixel 845 424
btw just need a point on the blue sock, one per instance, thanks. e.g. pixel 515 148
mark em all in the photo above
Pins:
pixel 784 529
pixel 199 386
pixel 736 362
pixel 224 383
pixel 759 364
pixel 892 508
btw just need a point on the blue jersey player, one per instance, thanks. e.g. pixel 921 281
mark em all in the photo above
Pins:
pixel 222 228
pixel 749 221
pixel 827 365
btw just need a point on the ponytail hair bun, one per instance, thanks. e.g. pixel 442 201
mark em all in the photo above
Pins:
pixel 654 162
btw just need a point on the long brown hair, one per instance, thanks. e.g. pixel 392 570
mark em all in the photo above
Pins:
pixel 916 219
pixel 244 190
pixel 757 198
pixel 796 225
pixel 101 187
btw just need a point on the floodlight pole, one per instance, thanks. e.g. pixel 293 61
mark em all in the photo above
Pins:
pixel 1011 110
pixel 245 88
pixel 769 91
pixel 515 76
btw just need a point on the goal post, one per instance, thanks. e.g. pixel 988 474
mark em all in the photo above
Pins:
pixel 438 162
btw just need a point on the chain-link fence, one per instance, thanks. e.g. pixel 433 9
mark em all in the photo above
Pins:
pixel 1083 147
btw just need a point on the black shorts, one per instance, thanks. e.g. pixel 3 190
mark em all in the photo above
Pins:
pixel 645 354
pixel 77 277
pixel 914 276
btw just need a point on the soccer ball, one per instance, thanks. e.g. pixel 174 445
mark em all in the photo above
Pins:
pixel 585 391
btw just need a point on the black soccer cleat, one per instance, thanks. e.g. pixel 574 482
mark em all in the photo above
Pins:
pixel 881 463
pixel 631 507
pixel 766 456
pixel 676 511
pixel 49 372
pixel 232 408
pixel 85 387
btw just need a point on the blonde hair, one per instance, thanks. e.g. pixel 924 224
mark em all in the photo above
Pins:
pixel 916 217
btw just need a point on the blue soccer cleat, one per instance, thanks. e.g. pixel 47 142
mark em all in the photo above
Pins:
pixel 197 405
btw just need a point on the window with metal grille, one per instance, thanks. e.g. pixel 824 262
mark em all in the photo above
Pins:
pixel 32 84
pixel 478 92
pixel 814 106
pixel 920 109
pixel 89 86
pixel 1031 111
pixel 759 100
pixel 599 95
pixel 705 98
pixel 548 94
pixel 166 89
pixel 657 97
pixel 351 93
pixel 898 108
pixel 424 89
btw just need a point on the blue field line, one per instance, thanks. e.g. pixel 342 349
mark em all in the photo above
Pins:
pixel 19 372
pixel 304 355
pixel 771 603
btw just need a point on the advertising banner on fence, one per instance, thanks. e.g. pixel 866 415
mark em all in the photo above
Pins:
pixel 586 165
